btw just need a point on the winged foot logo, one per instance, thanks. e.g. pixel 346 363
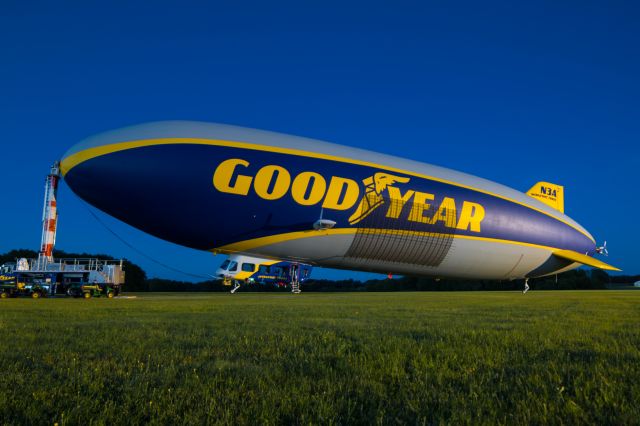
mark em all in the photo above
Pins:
pixel 273 182
pixel 373 197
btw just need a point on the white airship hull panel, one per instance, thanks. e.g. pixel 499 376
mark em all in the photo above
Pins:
pixel 465 258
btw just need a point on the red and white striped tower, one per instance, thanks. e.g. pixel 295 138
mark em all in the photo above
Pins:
pixel 50 214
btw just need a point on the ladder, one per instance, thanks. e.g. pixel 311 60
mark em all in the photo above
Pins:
pixel 295 279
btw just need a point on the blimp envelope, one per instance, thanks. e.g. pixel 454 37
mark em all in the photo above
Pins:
pixel 235 190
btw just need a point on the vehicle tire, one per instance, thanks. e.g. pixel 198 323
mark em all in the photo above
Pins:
pixel 35 295
pixel 4 295
pixel 110 295
pixel 87 295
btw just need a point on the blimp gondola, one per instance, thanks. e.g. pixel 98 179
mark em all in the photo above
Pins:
pixel 248 192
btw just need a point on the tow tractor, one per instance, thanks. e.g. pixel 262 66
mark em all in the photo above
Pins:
pixel 93 290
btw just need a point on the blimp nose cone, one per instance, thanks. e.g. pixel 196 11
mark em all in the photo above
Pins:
pixel 150 179
pixel 150 193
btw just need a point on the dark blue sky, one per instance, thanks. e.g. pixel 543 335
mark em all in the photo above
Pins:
pixel 515 92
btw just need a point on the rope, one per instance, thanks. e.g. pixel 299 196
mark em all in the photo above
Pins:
pixel 140 252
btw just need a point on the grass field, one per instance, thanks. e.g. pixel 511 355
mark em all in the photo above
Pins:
pixel 547 357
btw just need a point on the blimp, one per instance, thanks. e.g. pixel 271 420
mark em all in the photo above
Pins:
pixel 266 195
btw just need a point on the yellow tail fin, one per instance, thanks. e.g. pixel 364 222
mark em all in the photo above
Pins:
pixel 584 259
pixel 549 193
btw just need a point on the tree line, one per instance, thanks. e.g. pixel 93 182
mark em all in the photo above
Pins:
pixel 137 280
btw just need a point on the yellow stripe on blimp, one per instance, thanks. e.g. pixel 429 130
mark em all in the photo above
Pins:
pixel 243 246
pixel 79 157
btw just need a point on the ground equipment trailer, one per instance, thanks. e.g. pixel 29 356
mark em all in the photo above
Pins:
pixel 46 276
pixel 74 277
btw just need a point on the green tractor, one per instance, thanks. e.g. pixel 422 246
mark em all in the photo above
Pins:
pixel 87 290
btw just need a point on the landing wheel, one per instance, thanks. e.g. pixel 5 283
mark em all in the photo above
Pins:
pixel 4 295
pixel 87 295
pixel 35 295
pixel 110 295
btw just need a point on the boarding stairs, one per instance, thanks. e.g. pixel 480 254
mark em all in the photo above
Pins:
pixel 295 279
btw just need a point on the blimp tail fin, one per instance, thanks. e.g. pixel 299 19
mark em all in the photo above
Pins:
pixel 584 259
pixel 548 193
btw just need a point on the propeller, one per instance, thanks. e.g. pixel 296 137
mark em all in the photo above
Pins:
pixel 603 250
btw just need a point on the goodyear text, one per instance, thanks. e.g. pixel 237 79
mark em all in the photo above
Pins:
pixel 310 188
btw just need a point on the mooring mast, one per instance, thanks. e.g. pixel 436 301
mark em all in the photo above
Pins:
pixel 49 214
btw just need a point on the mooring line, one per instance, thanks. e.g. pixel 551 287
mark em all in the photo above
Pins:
pixel 140 252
